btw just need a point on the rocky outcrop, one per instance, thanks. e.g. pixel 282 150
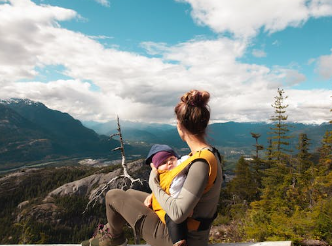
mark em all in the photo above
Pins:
pixel 83 187
pixel 313 242
pixel 89 185
pixel 41 213
pixel 47 210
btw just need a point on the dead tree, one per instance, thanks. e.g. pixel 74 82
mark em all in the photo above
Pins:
pixel 121 148
pixel 258 147
pixel 126 181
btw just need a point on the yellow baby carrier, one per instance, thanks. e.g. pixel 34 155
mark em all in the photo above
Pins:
pixel 166 177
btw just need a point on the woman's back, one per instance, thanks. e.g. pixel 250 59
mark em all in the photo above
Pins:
pixel 206 206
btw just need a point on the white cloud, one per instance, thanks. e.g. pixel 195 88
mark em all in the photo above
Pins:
pixel 288 76
pixel 309 106
pixel 154 48
pixel 276 43
pixel 22 35
pixel 105 3
pixel 100 37
pixel 246 18
pixel 294 77
pixel 258 53
pixel 324 66
pixel 76 98
pixel 131 85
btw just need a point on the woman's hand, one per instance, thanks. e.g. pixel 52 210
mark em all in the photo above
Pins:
pixel 154 177
pixel 148 201
pixel 153 168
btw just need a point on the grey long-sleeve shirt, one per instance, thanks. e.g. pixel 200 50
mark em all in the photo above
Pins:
pixel 191 198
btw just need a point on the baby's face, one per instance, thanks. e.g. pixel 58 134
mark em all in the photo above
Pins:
pixel 168 164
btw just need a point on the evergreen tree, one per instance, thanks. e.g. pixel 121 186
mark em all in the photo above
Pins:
pixel 325 152
pixel 242 186
pixel 269 150
pixel 279 131
pixel 257 163
pixel 304 157
pixel 296 200
pixel 304 173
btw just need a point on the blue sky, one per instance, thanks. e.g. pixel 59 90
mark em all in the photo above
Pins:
pixel 130 22
pixel 98 58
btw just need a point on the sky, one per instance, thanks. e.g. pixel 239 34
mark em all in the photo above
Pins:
pixel 96 59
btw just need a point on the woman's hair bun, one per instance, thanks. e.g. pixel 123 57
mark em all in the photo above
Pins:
pixel 193 113
pixel 196 98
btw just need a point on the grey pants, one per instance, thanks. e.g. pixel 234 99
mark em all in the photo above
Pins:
pixel 127 206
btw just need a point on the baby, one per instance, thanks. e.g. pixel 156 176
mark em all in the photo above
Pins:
pixel 164 158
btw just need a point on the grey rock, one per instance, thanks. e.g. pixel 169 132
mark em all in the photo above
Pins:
pixel 88 186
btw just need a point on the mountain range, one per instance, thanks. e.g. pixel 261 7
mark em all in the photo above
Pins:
pixel 229 137
pixel 30 132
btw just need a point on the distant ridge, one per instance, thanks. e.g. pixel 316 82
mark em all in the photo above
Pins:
pixel 29 131
pixel 225 135
pixel 19 101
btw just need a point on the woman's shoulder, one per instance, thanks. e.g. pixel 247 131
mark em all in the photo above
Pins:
pixel 200 165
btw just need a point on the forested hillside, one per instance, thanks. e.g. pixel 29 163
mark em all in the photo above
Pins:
pixel 30 132
pixel 29 214
pixel 283 196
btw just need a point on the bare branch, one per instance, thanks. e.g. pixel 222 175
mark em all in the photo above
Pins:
pixel 124 177
pixel 113 135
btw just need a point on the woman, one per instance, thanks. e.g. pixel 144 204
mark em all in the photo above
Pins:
pixel 196 199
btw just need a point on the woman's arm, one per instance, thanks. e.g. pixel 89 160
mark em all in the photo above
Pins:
pixel 178 209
